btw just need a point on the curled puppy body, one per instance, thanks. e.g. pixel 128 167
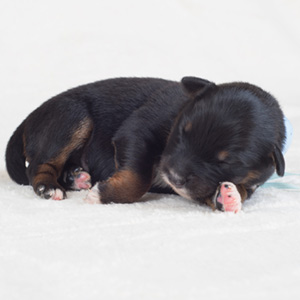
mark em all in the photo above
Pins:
pixel 134 135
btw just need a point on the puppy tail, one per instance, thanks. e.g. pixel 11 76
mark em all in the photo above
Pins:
pixel 279 161
pixel 15 158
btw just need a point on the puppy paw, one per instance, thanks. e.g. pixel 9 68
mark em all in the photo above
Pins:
pixel 82 181
pixel 50 192
pixel 93 197
pixel 228 198
pixel 77 179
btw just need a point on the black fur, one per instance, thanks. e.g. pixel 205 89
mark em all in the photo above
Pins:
pixel 128 133
pixel 238 119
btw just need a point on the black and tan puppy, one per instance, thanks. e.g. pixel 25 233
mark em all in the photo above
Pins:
pixel 128 136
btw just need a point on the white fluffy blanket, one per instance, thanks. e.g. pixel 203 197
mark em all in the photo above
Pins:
pixel 166 247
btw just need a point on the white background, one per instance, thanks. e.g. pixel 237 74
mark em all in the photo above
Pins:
pixel 166 248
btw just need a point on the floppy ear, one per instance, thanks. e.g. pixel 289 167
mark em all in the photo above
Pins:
pixel 195 84
pixel 279 161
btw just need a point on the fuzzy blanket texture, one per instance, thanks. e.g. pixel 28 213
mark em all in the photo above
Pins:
pixel 166 247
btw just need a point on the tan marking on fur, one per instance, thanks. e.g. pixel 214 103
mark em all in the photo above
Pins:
pixel 124 186
pixel 46 168
pixel 243 192
pixel 188 126
pixel 250 176
pixel 271 155
pixel 209 202
pixel 45 174
pixel 50 171
pixel 79 137
pixel 222 155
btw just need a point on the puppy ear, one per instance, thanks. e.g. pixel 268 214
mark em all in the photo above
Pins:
pixel 279 161
pixel 195 84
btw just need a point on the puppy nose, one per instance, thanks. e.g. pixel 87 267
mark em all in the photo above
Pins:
pixel 176 180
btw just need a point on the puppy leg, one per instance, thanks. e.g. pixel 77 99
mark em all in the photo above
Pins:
pixel 45 168
pixel 124 186
pixel 138 145
pixel 133 176
pixel 45 184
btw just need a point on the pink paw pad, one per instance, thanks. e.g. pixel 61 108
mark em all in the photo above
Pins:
pixel 82 181
pixel 228 198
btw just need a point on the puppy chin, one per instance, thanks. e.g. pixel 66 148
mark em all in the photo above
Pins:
pixel 180 191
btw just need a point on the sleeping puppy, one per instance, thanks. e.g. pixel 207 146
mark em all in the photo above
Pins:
pixel 211 143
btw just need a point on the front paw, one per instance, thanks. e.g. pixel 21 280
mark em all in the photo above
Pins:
pixel 48 191
pixel 93 197
pixel 228 198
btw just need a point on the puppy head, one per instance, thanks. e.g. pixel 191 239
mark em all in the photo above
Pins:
pixel 211 141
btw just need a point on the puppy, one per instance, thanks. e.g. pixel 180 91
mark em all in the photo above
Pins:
pixel 128 136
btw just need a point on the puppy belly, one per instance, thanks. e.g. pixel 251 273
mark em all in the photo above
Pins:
pixel 228 198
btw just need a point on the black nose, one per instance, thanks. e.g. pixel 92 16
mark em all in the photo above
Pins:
pixel 176 180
